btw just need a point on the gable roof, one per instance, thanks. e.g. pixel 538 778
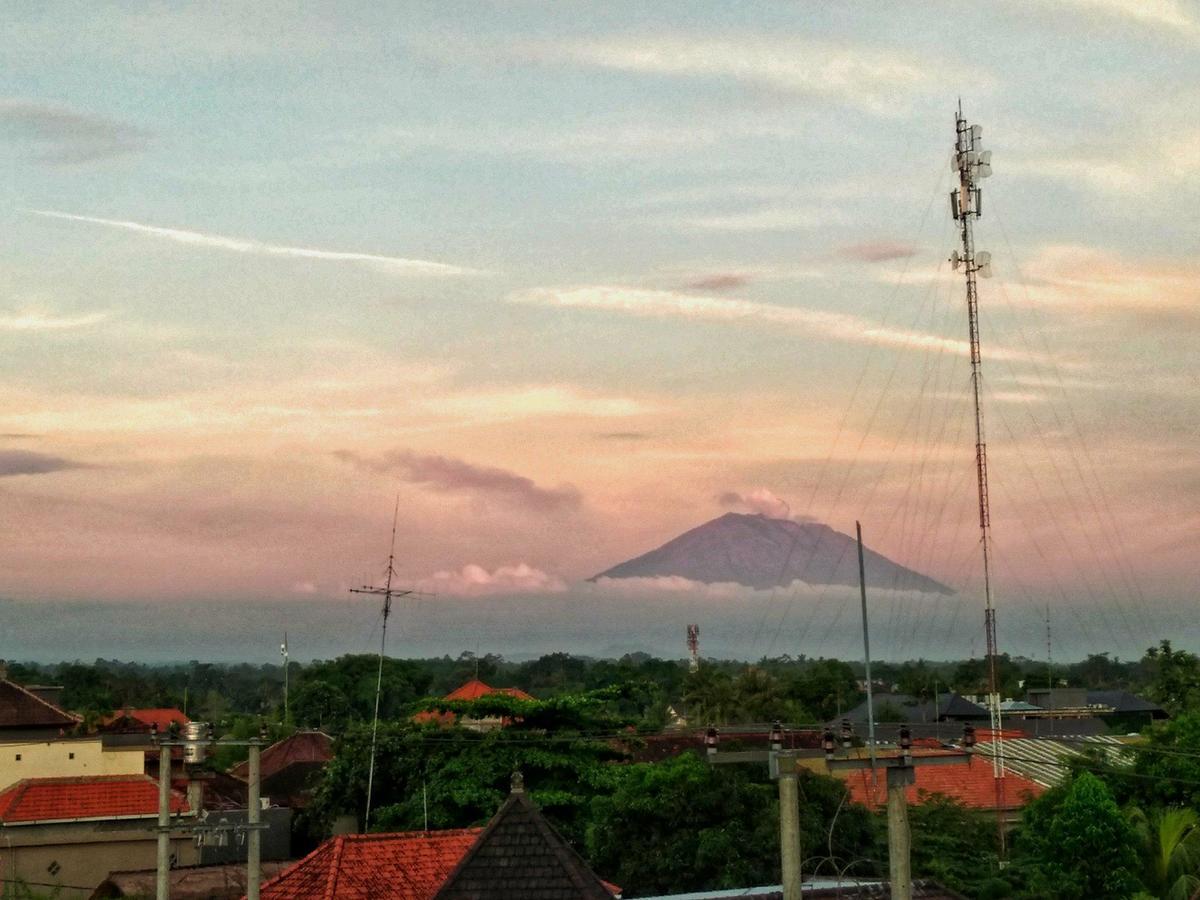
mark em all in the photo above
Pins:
pixel 20 708
pixel 35 800
pixel 971 783
pixel 402 866
pixel 301 747
pixel 520 856
pixel 952 706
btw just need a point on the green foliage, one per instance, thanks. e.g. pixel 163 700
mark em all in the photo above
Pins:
pixel 683 824
pixel 952 844
pixel 1074 843
pixel 1174 678
pixel 827 688
pixel 1165 770
pixel 1170 849
pixel 462 776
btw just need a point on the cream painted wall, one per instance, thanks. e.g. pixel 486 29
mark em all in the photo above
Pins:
pixel 56 759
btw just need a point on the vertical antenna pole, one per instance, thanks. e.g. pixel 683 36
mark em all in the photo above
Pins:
pixel 388 593
pixel 862 584
pixel 283 650
pixel 973 164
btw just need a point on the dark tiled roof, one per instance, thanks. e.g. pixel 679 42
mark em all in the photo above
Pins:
pixel 302 747
pixel 1122 702
pixel 20 708
pixel 954 706
pixel 187 882
pixel 520 857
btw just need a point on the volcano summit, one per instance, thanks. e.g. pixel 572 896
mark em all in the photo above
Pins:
pixel 762 553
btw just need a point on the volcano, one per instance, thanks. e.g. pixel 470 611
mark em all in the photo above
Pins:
pixel 763 553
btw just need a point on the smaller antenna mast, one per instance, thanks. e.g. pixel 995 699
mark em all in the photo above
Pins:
pixel 283 651
pixel 388 593
pixel 693 645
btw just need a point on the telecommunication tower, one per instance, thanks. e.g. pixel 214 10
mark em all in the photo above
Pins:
pixel 972 163
pixel 693 645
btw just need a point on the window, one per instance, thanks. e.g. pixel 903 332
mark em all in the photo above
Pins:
pixel 70 756
pixel 18 757
pixel 54 868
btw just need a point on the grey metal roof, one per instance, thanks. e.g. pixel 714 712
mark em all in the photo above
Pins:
pixel 1045 761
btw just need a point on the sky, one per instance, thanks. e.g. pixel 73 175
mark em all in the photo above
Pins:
pixel 564 280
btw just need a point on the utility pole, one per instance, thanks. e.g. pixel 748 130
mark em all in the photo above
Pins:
pixel 783 767
pixel 195 750
pixel 253 820
pixel 388 593
pixel 974 164
pixel 163 876
pixel 901 772
pixel 862 584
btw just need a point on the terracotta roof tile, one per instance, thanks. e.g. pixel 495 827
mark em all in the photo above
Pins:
pixel 474 689
pixel 83 797
pixel 970 783
pixel 160 717
pixel 401 866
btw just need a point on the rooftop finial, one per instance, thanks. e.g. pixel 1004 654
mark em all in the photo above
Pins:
pixel 518 783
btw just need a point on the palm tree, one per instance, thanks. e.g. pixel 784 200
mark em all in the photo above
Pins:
pixel 1170 841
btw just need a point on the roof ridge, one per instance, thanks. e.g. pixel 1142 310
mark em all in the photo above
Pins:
pixel 339 844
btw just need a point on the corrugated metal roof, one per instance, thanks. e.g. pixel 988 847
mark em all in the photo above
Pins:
pixel 1045 761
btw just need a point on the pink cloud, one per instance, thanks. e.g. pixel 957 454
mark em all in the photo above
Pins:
pixel 450 475
pixel 878 251
pixel 719 281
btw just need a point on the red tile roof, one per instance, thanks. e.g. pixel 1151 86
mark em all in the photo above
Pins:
pixel 403 866
pixel 474 689
pixel 970 783
pixel 82 797
pixel 301 747
pixel 159 717
pixel 20 708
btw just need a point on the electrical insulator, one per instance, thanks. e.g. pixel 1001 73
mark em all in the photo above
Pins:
pixel 847 733
pixel 710 740
pixel 827 743
pixel 969 736
pixel 777 736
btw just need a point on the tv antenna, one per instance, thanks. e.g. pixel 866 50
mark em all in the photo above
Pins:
pixel 693 645
pixel 388 593
pixel 973 164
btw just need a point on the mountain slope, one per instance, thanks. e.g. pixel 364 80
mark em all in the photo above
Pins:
pixel 762 553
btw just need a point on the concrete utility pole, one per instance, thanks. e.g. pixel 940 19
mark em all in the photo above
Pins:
pixel 195 750
pixel 163 877
pixel 783 768
pixel 899 836
pixel 901 772
pixel 253 818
